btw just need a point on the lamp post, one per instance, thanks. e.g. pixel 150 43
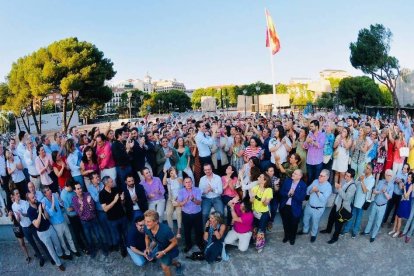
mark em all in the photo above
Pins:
pixel 221 97
pixel 336 100
pixel 245 102
pixel 162 104
pixel 258 97
pixel 142 101
pixel 130 107
pixel 159 107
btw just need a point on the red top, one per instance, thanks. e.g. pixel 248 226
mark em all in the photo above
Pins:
pixel 65 175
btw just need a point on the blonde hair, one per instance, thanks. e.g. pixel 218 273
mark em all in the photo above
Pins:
pixel 152 214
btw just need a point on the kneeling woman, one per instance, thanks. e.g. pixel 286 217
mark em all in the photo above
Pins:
pixel 260 197
pixel 213 237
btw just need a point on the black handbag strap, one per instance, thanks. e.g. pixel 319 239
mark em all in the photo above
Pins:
pixel 353 183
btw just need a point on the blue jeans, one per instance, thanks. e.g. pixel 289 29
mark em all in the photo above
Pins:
pixel 119 230
pixel 313 172
pixel 90 228
pixel 261 223
pixel 106 228
pixel 355 221
pixel 206 205
pixel 375 219
pixel 136 258
pixel 121 174
pixel 274 205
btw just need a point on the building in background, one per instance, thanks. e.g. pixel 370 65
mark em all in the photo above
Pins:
pixel 405 90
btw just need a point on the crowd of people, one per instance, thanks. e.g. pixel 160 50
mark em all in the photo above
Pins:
pixel 223 179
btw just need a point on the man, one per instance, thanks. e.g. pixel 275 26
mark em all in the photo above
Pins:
pixel 319 192
pixel 152 148
pixel 38 194
pixel 165 242
pixel 219 152
pixel 265 138
pixel 105 159
pixel 5 178
pixel 139 153
pixel 20 150
pixel 84 207
pixel 94 188
pixel 56 218
pixel 46 144
pixel 112 201
pixel 74 134
pixel 364 184
pixel 135 199
pixel 204 143
pixel 394 202
pixel 189 199
pixel 165 158
pixel 293 193
pixel 136 241
pixel 383 192
pixel 67 195
pixel 211 188
pixel 40 219
pixel 30 158
pixel 20 208
pixel 122 154
pixel 314 143
pixel 344 198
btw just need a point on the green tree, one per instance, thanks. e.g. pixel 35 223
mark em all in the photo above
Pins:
pixel 173 100
pixel 358 92
pixel 326 100
pixel 334 83
pixel 135 101
pixel 370 54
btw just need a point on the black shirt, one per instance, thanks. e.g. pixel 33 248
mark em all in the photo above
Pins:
pixel 33 213
pixel 117 211
pixel 135 238
pixel 121 157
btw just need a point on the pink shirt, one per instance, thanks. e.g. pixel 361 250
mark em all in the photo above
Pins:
pixel 41 164
pixel 229 191
pixel 246 224
pixel 397 157
pixel 105 159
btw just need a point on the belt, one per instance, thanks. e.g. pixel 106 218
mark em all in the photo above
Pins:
pixel 35 176
pixel 317 208
pixel 380 205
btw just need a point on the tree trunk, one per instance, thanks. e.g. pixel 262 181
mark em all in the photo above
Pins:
pixel 65 126
pixel 72 111
pixel 34 117
pixel 24 123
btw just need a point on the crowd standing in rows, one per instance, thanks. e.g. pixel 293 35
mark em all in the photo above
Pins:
pixel 121 189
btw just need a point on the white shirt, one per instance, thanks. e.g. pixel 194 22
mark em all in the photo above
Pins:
pixel 203 144
pixel 281 151
pixel 30 161
pixel 360 196
pixel 73 163
pixel 132 194
pixel 17 175
pixel 2 165
pixel 22 208
pixel 20 150
pixel 215 184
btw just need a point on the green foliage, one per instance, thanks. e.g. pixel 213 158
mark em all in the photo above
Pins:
pixel 370 54
pixel 357 92
pixel 334 83
pixel 326 100
pixel 303 98
pixel 174 100
pixel 385 95
pixel 4 93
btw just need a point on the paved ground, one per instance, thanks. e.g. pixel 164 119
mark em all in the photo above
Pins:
pixel 386 256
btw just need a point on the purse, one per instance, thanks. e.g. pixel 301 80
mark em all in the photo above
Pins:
pixel 343 214
pixel 404 151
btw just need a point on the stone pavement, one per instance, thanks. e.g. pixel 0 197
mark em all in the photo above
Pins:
pixel 386 256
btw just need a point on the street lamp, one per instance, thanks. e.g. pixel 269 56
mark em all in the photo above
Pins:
pixel 221 97
pixel 336 108
pixel 159 107
pixel 258 97
pixel 245 102
pixel 162 104
pixel 129 99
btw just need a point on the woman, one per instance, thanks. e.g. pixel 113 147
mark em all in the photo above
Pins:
pixel 229 181
pixel 237 152
pixel 15 170
pixel 18 233
pixel 89 164
pixel 213 237
pixel 73 159
pixel 60 168
pixel 358 153
pixel 410 159
pixel 398 162
pixel 197 169
pixel 83 142
pixel 155 192
pixel 379 162
pixel 343 143
pixel 404 208
pixel 44 167
pixel 390 151
pixel 253 150
pixel 287 169
pixel 279 146
pixel 328 148
pixel 298 144
pixel 260 196
pixel 174 184
pixel 274 203
pixel 219 152
pixel 110 135
pixel 248 176
pixel 184 158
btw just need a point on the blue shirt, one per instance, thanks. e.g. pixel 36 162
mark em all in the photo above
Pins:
pixel 319 199
pixel 55 215
pixel 67 201
pixel 406 129
pixel 380 198
pixel 135 238
pixel 203 144
pixel 402 176
pixel 94 192
pixel 329 143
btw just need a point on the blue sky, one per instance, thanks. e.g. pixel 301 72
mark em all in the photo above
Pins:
pixel 203 43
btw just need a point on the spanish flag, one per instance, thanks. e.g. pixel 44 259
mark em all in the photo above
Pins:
pixel 272 39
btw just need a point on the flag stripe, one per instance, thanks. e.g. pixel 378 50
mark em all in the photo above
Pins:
pixel 272 38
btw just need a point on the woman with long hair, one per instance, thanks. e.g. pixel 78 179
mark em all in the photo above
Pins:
pixel 279 145
pixel 214 237
pixel 358 152
pixel 89 164
pixel 60 168
pixel 229 181
pixel 237 152
pixel 174 183
pixel 248 175
pixel 253 150
pixel 343 143
pixel 380 160
pixel 298 145
pixel 44 167
pixel 184 158
pixel 404 208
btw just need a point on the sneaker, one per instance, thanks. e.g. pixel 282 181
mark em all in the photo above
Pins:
pixel 407 239
pixel 313 239
pixel 353 236
pixel 61 268
pixel 371 239
pixel 285 240
pixel 396 234
pixel 391 232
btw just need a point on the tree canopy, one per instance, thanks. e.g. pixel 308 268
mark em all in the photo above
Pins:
pixel 173 100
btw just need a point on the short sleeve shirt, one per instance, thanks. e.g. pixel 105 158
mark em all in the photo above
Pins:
pixel 33 213
pixel 162 237
pixel 258 206
pixel 116 212
pixel 136 238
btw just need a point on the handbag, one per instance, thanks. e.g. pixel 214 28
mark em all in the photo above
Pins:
pixel 404 151
pixel 343 214
pixel 366 205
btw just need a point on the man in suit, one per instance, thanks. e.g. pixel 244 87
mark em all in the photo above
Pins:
pixel 166 157
pixel 293 193
pixel 135 199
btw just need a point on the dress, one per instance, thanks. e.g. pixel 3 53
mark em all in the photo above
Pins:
pixel 410 159
pixel 379 162
pixel 236 161
pixel 303 155
pixel 405 205
pixel 197 167
pixel 390 156
pixel 341 159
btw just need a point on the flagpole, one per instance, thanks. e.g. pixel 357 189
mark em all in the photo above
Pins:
pixel 272 66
